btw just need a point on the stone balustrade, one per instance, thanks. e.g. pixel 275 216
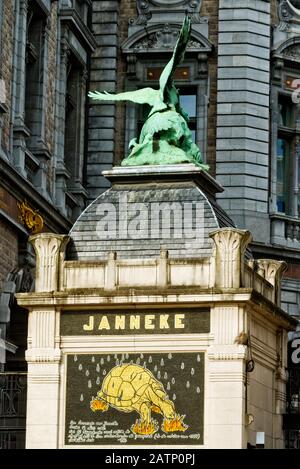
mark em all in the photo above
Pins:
pixel 54 273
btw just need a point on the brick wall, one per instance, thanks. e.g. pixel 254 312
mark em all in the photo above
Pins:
pixel 274 11
pixel 6 57
pixel 52 70
pixel 50 111
pixel 8 250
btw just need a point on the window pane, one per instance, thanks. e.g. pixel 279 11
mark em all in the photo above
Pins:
pixel 193 132
pixel 285 111
pixel 143 112
pixel 282 146
pixel 188 104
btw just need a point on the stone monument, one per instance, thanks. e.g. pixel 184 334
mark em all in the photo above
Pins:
pixel 151 325
pixel 165 137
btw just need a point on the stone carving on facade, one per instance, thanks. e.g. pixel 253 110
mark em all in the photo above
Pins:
pixel 272 271
pixel 146 7
pixel 165 137
pixel 288 12
pixel 165 38
pixel 292 52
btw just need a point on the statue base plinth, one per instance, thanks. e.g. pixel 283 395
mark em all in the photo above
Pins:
pixel 168 172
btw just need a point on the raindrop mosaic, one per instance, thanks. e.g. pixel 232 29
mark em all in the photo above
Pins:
pixel 103 406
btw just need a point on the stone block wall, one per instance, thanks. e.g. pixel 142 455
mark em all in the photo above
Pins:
pixel 242 156
pixel 210 9
pixel 103 76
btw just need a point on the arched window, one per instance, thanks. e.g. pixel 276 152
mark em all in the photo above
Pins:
pixel 285 185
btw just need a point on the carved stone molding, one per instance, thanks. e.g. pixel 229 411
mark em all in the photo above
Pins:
pixel 163 38
pixel 42 330
pixel 272 271
pixel 229 377
pixel 43 356
pixel 230 249
pixel 292 52
pixel 227 353
pixel 23 7
pixel 48 247
pixel 145 8
pixel 288 12
pixel 44 379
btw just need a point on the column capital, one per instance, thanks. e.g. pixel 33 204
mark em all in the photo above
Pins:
pixel 48 247
pixel 272 271
pixel 230 245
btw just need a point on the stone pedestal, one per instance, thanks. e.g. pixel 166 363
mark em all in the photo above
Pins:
pixel 186 324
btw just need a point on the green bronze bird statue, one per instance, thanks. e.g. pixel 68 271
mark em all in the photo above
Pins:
pixel 165 137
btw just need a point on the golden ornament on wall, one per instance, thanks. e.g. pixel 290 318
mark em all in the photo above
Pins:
pixel 31 219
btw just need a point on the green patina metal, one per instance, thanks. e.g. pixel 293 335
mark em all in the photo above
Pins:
pixel 165 137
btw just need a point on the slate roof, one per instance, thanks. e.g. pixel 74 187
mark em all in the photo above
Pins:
pixel 100 228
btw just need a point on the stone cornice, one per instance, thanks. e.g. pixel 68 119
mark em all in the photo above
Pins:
pixel 70 16
pixel 98 298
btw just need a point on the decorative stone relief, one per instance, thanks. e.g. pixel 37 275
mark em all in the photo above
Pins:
pixel 288 11
pixel 230 249
pixel 165 38
pixel 292 52
pixel 48 247
pixel 146 7
pixel 272 271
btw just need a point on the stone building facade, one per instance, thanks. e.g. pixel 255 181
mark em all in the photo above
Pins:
pixel 181 345
pixel 240 55
pixel 45 49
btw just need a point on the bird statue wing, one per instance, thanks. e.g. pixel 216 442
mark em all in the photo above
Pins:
pixel 142 96
pixel 166 79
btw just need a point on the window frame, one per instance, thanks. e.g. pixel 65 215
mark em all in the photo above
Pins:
pixel 291 134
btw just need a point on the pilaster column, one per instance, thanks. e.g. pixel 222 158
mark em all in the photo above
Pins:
pixel 230 246
pixel 62 174
pixel 43 357
pixel 48 247
pixel 18 104
pixel 111 271
pixel 21 30
pixel 226 405
pixel 43 354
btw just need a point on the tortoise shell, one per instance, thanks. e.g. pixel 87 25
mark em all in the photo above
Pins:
pixel 126 384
